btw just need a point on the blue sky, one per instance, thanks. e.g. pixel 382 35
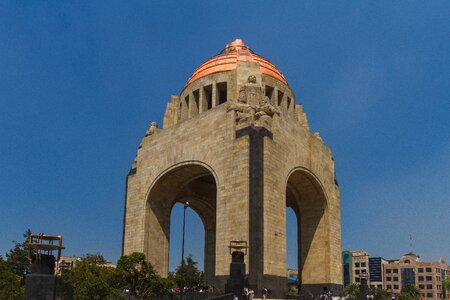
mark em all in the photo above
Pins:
pixel 81 80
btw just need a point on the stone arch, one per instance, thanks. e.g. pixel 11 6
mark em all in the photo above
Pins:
pixel 307 198
pixel 192 182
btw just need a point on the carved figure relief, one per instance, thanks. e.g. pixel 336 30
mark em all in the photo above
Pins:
pixel 252 106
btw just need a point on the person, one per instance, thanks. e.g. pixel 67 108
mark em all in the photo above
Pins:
pixel 235 297
pixel 251 294
pixel 245 293
pixel 264 293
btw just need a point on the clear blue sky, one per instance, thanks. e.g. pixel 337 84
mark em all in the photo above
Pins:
pixel 81 80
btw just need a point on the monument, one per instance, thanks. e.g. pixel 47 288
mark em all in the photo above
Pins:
pixel 40 283
pixel 237 147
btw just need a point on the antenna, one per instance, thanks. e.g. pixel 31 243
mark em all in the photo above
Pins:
pixel 411 249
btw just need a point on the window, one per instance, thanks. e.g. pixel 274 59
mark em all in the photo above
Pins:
pixel 389 286
pixel 357 272
pixel 395 278
pixel 420 278
pixel 429 295
pixel 388 271
pixel 395 270
pixel 429 286
pixel 429 278
pixel 222 92
pixel 438 278
pixel 395 286
pixel 428 269
pixel 407 261
pixel 388 279
pixel 357 264
pixel 357 279
pixel 363 264
pixel 420 270
pixel 208 95
pixel 380 286
pixel 421 286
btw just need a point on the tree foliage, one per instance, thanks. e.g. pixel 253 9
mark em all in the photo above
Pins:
pixel 379 294
pixel 352 291
pixel 409 292
pixel 17 258
pixel 88 279
pixel 135 274
pixel 187 274
pixel 447 283
pixel 10 283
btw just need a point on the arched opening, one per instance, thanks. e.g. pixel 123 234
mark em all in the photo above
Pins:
pixel 193 183
pixel 194 243
pixel 292 248
pixel 306 197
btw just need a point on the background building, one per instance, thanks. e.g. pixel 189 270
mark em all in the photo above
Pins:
pixel 355 263
pixel 428 276
pixel 394 275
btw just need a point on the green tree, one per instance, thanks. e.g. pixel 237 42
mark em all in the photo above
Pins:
pixel 135 274
pixel 409 292
pixel 88 279
pixel 447 283
pixel 351 291
pixel 10 283
pixel 17 258
pixel 188 274
pixel 379 294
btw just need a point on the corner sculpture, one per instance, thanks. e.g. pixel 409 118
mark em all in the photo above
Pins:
pixel 236 145
pixel 252 107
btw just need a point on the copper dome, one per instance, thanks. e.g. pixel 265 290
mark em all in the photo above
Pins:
pixel 227 61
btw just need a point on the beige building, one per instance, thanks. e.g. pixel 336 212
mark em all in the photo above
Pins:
pixel 428 276
pixel 237 147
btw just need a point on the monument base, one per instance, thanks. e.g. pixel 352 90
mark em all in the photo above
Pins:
pixel 40 287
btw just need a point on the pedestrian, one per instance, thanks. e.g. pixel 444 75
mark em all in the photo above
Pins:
pixel 245 293
pixel 264 293
pixel 235 297
pixel 251 294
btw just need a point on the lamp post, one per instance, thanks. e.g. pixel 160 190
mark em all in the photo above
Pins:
pixel 186 205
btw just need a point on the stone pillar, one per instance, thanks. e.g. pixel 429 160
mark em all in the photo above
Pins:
pixel 203 103
pixel 215 97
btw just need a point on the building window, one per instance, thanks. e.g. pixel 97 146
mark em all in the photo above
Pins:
pixel 420 278
pixel 357 279
pixel 429 286
pixel 389 287
pixel 420 270
pixel 357 272
pixel 395 270
pixel 357 264
pixel 363 264
pixel 395 286
pixel 428 269
pixel 421 286
pixel 395 278
pixel 222 92
pixel 388 279
pixel 438 278
pixel 380 286
pixel 429 278
pixel 407 261
pixel 388 271
pixel 429 295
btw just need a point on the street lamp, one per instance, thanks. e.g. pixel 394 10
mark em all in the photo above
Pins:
pixel 186 205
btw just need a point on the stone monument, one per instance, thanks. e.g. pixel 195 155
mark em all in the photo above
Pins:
pixel 40 283
pixel 238 148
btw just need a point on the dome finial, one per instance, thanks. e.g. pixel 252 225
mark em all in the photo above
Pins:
pixel 235 45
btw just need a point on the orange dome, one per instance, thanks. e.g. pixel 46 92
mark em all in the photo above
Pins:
pixel 227 61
